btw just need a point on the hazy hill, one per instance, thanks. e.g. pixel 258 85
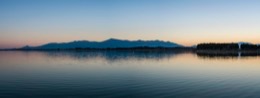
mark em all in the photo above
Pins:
pixel 110 43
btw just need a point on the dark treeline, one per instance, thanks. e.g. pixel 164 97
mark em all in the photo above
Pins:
pixel 249 47
pixel 226 46
pixel 217 46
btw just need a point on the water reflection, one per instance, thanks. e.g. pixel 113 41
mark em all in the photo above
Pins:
pixel 227 54
pixel 127 74
pixel 113 56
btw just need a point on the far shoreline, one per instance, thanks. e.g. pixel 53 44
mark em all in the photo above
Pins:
pixel 110 49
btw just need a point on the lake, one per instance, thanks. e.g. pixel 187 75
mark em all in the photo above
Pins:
pixel 127 74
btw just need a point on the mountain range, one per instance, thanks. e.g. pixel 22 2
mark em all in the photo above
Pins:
pixel 110 43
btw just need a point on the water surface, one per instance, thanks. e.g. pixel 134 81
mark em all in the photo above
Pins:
pixel 142 74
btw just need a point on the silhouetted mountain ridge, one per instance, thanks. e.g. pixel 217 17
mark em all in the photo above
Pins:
pixel 110 43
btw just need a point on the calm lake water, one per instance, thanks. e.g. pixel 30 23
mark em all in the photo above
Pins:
pixel 121 74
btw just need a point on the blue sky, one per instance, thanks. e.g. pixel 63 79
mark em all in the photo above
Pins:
pixel 187 22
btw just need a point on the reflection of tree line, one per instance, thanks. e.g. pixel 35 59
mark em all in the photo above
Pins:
pixel 113 55
pixel 226 54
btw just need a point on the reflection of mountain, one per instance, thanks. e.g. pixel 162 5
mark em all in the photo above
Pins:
pixel 115 55
pixel 110 43
pixel 226 54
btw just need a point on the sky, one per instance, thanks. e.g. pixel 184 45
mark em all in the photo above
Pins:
pixel 186 22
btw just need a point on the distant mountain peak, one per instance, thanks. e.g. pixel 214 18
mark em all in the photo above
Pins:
pixel 112 39
pixel 109 43
pixel 26 47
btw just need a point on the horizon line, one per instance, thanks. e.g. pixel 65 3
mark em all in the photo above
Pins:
pixel 112 38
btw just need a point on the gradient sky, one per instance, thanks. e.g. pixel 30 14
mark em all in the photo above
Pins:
pixel 187 22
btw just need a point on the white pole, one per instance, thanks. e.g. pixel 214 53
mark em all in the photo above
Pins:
pixel 239 46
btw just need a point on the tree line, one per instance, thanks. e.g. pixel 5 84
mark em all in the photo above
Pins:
pixel 227 46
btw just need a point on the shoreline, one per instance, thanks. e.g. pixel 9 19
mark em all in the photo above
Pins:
pixel 111 49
